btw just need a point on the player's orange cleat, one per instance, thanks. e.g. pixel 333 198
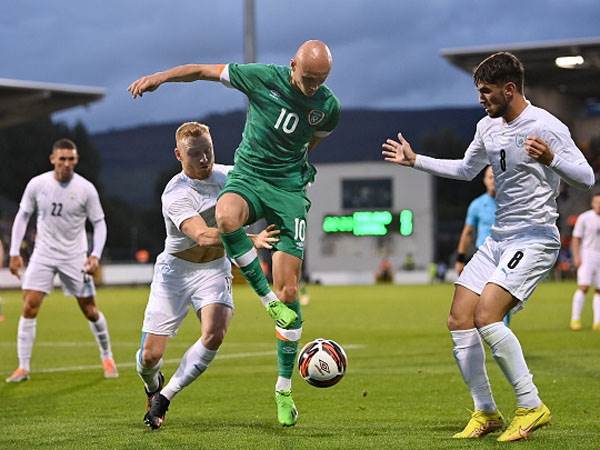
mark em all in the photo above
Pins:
pixel 110 368
pixel 596 326
pixel 18 375
pixel 576 325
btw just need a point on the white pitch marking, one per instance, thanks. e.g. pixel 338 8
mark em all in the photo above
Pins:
pixel 127 365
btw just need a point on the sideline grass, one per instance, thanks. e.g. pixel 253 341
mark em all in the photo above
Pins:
pixel 402 389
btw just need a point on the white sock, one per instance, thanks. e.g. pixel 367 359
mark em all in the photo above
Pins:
pixel 470 358
pixel 100 331
pixel 25 339
pixel 149 375
pixel 268 298
pixel 283 384
pixel 577 306
pixel 508 354
pixel 596 303
pixel 192 365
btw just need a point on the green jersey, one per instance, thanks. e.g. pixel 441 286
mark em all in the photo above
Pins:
pixel 280 123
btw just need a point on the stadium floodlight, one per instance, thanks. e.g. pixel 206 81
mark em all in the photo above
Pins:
pixel 569 62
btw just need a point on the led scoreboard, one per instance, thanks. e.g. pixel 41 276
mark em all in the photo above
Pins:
pixel 370 223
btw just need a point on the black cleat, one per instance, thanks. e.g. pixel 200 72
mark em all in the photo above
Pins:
pixel 156 416
pixel 149 395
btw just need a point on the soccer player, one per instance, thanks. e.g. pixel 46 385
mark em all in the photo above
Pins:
pixel 63 201
pixel 191 271
pixel 530 151
pixel 289 111
pixel 586 257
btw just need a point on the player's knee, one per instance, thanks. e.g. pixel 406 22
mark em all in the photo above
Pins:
pixel 90 312
pixel 288 293
pixel 213 338
pixel 483 318
pixel 583 289
pixel 459 323
pixel 150 357
pixel 30 311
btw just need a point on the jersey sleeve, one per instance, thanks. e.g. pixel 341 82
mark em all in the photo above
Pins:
pixel 472 214
pixel 178 209
pixel 579 228
pixel 329 125
pixel 244 77
pixel 28 203
pixel 93 207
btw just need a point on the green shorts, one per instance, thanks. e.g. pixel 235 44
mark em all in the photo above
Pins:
pixel 286 210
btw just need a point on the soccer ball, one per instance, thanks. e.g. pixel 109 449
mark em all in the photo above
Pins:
pixel 322 362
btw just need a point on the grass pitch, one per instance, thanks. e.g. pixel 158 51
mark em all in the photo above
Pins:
pixel 402 389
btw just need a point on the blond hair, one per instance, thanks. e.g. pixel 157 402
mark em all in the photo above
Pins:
pixel 189 130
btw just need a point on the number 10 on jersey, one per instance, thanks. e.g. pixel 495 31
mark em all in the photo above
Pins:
pixel 287 120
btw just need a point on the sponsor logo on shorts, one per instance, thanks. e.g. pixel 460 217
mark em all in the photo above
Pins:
pixel 315 116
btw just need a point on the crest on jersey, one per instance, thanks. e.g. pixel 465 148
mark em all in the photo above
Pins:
pixel 315 116
pixel 520 140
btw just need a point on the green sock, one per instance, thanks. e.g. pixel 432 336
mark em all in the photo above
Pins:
pixel 287 350
pixel 239 248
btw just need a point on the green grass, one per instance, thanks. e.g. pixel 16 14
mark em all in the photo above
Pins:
pixel 402 388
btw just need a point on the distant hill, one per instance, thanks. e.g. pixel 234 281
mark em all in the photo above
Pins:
pixel 134 158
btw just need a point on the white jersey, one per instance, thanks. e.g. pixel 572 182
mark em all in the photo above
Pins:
pixel 184 198
pixel 587 228
pixel 62 209
pixel 526 189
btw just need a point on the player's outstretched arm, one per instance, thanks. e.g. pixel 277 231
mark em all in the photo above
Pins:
pixel 399 152
pixel 266 238
pixel 186 73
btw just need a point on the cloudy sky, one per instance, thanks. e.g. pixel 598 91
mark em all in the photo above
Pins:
pixel 386 53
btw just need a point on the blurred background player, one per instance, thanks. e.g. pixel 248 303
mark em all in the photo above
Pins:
pixel 191 271
pixel 530 151
pixel 289 111
pixel 586 257
pixel 481 215
pixel 63 201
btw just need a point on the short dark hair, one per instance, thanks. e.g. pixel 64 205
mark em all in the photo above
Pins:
pixel 500 67
pixel 64 143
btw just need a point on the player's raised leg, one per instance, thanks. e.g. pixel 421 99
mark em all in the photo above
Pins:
pixel 232 213
pixel 531 413
pixel 215 319
pixel 32 301
pixel 99 328
pixel 286 276
pixel 470 358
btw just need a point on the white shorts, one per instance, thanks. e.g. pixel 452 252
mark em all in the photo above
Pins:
pixel 178 284
pixel 517 264
pixel 588 273
pixel 40 273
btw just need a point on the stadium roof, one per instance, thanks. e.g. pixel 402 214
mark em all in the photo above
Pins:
pixel 578 77
pixel 20 101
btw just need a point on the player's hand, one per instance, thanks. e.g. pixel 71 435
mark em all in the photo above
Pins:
pixel 538 150
pixel 399 152
pixel 577 261
pixel 266 238
pixel 91 265
pixel 459 267
pixel 15 264
pixel 147 83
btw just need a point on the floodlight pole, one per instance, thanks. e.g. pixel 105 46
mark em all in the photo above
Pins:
pixel 249 32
